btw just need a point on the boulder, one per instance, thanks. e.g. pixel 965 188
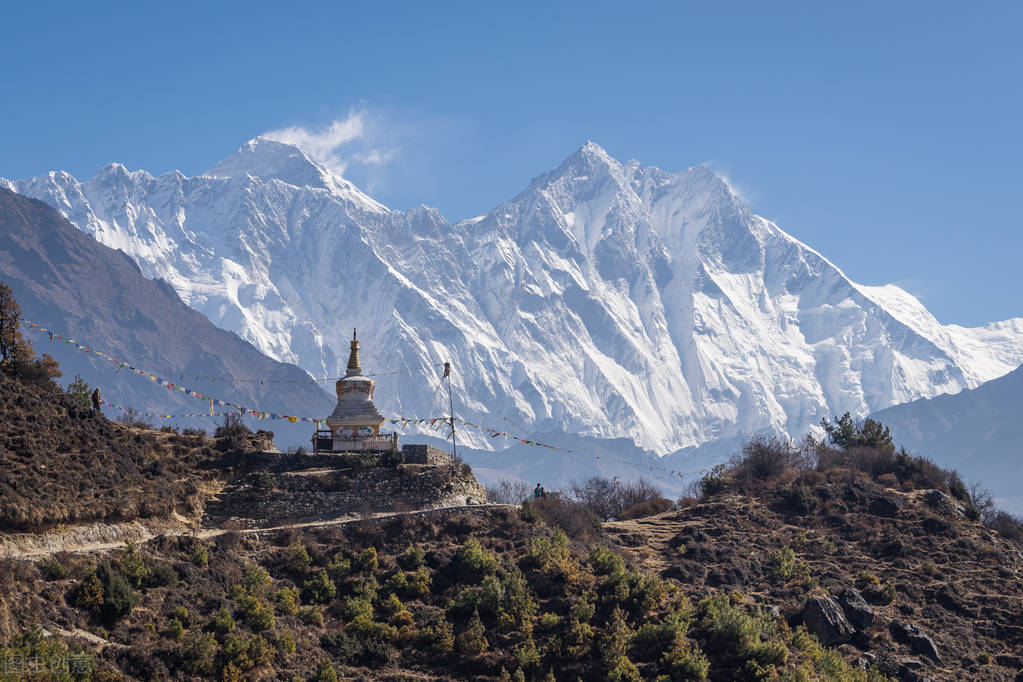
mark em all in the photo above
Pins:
pixel 823 617
pixel 886 505
pixel 866 661
pixel 856 608
pixel 917 640
pixel 944 503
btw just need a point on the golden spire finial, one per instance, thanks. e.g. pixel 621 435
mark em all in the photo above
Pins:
pixel 353 360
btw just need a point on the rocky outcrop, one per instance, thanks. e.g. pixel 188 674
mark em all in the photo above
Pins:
pixel 943 503
pixel 918 641
pixel 824 618
pixel 856 608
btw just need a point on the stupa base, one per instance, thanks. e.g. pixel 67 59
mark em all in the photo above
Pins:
pixel 323 441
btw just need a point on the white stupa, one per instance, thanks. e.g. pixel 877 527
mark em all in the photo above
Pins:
pixel 354 425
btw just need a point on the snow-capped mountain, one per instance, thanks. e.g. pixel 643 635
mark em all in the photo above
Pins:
pixel 607 300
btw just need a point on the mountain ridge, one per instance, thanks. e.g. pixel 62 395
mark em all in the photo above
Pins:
pixel 605 300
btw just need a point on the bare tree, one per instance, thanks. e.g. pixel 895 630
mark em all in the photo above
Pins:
pixel 508 491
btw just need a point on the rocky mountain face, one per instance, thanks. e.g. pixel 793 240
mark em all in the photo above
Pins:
pixel 66 281
pixel 978 430
pixel 605 301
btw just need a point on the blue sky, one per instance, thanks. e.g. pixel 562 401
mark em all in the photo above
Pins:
pixel 885 135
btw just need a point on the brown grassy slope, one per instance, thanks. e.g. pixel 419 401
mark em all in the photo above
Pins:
pixel 60 463
pixel 404 591
pixel 952 577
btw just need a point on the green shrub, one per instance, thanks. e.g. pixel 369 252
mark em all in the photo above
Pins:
pixel 527 512
pixel 868 579
pixel 221 622
pixel 325 672
pixel 339 566
pixel 259 651
pixel 396 583
pixel 473 561
pixel 199 655
pixel 255 580
pixel 257 614
pixel 548 555
pixel 846 433
pixel 319 589
pixel 717 481
pixel 413 558
pixel 200 555
pixel 693 665
pixel 440 636
pixel 162 575
pixel 286 601
pixel 311 615
pixel 799 499
pixel 175 629
pixel 297 557
pixel 604 562
pixel 284 642
pixel 368 560
pixel 472 641
pixel 52 569
pixel 78 391
pixel 118 597
pixel 356 607
pixel 786 566
pixel 89 595
pixel 133 567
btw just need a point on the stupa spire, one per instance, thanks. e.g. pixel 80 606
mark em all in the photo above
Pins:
pixel 354 365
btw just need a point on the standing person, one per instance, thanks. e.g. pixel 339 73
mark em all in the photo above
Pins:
pixel 97 400
pixel 537 492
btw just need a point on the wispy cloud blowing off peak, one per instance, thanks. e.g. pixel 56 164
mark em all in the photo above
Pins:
pixel 356 139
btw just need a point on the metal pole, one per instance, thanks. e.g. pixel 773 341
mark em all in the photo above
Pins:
pixel 451 409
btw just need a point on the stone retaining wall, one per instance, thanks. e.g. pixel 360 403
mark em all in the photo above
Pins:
pixel 272 495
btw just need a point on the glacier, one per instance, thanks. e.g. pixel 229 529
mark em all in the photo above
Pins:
pixel 606 301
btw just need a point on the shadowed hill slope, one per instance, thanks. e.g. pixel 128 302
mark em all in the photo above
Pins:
pixel 66 281
pixel 978 431
pixel 63 464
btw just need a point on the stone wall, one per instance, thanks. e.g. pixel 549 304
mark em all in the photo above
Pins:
pixel 426 454
pixel 268 492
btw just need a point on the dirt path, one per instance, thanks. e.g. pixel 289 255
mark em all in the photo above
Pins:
pixel 646 541
pixel 76 539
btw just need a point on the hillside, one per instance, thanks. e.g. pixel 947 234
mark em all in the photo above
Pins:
pixel 66 281
pixel 61 463
pixel 977 431
pixel 890 527
pixel 721 588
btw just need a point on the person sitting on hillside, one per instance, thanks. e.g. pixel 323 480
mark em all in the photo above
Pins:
pixel 537 492
pixel 97 400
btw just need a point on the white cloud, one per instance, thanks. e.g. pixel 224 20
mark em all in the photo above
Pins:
pixel 354 139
